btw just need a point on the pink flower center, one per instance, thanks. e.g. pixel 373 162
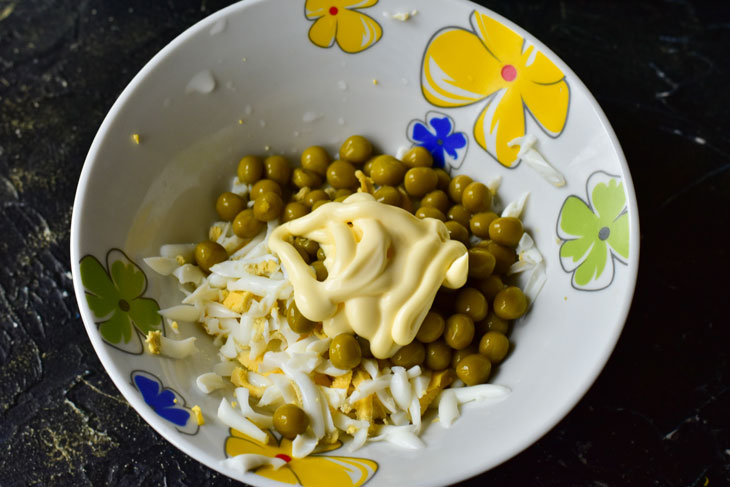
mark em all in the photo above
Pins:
pixel 287 458
pixel 509 73
pixel 333 10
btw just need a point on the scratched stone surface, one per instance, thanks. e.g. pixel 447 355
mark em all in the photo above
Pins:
pixel 659 413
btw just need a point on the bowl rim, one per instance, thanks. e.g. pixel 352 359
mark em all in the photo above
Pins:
pixel 120 379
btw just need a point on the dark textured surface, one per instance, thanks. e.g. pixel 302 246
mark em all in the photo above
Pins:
pixel 658 415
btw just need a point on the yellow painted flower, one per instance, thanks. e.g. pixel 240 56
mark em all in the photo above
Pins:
pixel 494 63
pixel 315 470
pixel 338 20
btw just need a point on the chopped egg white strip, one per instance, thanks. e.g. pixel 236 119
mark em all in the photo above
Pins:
pixel 233 419
pixel 225 368
pixel 262 420
pixel 535 160
pixel 303 445
pixel 403 436
pixel 371 386
pixel 177 349
pixel 186 251
pixel 448 408
pixel 181 312
pixel 209 382
pixel 481 392
pixel 189 273
pixel 162 265
pixel 400 388
pixel 515 208
pixel 358 429
pixel 251 461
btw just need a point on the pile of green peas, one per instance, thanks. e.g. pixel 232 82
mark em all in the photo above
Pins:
pixel 466 329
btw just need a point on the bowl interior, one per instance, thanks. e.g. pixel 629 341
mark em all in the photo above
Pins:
pixel 250 79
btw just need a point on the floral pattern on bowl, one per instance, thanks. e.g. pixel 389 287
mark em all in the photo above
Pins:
pixel 495 64
pixel 437 135
pixel 341 22
pixel 595 232
pixel 115 294
pixel 167 403
pixel 317 470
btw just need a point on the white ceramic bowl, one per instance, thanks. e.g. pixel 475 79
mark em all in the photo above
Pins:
pixel 258 77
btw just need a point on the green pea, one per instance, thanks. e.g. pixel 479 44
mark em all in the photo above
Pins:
pixel 320 270
pixel 494 346
pixel 481 263
pixel 459 331
pixel 457 186
pixel 313 196
pixel 430 212
pixel 506 231
pixel 297 321
pixel 388 195
pixel 491 286
pixel 208 254
pixel 264 186
pixel 495 323
pixel 294 210
pixel 476 198
pixel 246 225
pixel 472 303
pixel 504 256
pixel 432 327
pixel 457 232
pixel 341 174
pixel 387 170
pixel 315 159
pixel 228 205
pixel 290 420
pixel 304 178
pixel 459 214
pixel 268 207
pixel 410 355
pixel 438 355
pixel 458 355
pixel 345 352
pixel 437 199
pixel 420 180
pixel 474 369
pixel 277 169
pixel 250 169
pixel 356 149
pixel 510 303
pixel 444 180
pixel 479 223
pixel 418 157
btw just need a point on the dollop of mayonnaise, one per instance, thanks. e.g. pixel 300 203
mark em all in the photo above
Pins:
pixel 384 269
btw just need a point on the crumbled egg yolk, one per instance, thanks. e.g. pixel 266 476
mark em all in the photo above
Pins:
pixel 198 415
pixel 262 268
pixel 153 341
pixel 135 138
pixel 238 301
pixel 180 259
pixel 174 326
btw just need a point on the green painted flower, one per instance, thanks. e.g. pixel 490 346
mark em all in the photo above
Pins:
pixel 114 295
pixel 595 233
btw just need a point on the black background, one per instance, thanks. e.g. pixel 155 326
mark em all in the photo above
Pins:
pixel 658 414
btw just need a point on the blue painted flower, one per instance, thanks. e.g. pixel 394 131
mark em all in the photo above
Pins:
pixel 167 403
pixel 437 135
